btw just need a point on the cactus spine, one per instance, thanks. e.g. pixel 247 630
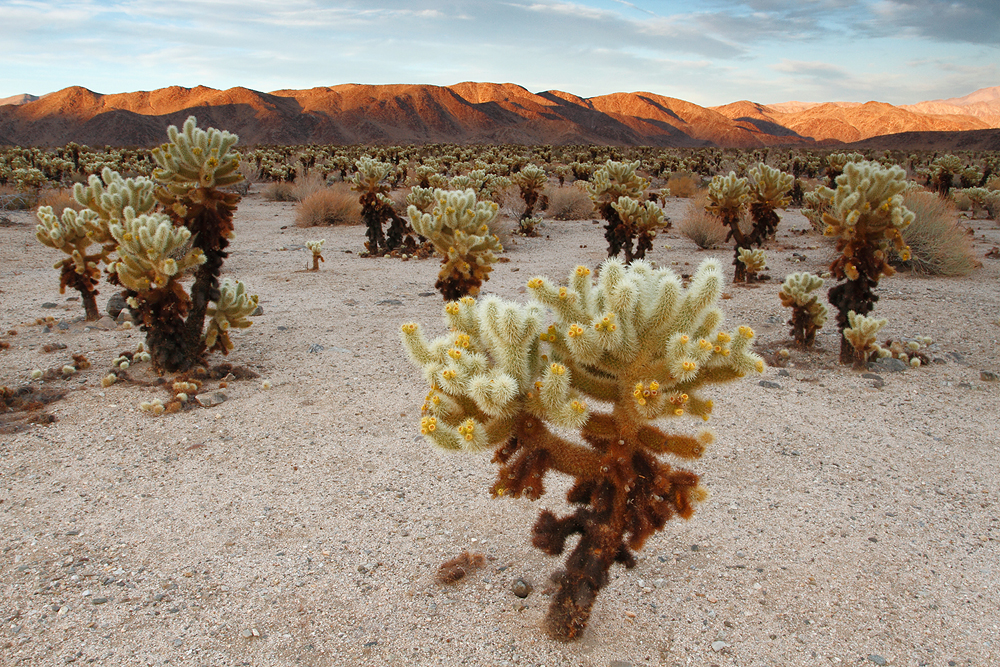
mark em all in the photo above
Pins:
pixel 636 341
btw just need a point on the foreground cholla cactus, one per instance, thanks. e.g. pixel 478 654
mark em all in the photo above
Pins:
pixel 72 233
pixel 606 188
pixel 808 314
pixel 621 354
pixel 861 335
pixel 458 226
pixel 867 218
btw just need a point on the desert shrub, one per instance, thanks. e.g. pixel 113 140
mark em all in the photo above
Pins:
pixel 684 185
pixel 307 186
pixel 962 201
pixel 705 229
pixel 569 203
pixel 279 191
pixel 59 199
pixel 335 205
pixel 510 202
pixel 938 244
pixel 12 199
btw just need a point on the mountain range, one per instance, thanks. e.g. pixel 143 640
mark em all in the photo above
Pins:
pixel 491 113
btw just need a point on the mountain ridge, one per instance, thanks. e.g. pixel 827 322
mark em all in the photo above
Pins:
pixel 476 112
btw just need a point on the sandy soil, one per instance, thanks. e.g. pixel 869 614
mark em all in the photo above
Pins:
pixel 853 521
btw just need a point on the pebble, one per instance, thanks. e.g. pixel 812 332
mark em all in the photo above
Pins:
pixel 389 302
pixel 888 365
pixel 877 380
pixel 49 304
pixel 767 384
pixel 247 634
pixel 718 645
pixel 876 658
pixel 210 400
pixel 316 347
pixel 522 588
pixel 116 304
pixel 988 376
pixel 259 310
pixel 98 600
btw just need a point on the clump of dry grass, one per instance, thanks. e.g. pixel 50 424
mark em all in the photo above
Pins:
pixel 59 199
pixel 705 229
pixel 12 199
pixel 279 191
pixel 335 205
pixel 568 202
pixel 308 185
pixel 684 185
pixel 938 244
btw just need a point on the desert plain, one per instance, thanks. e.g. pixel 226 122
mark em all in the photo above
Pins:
pixel 853 519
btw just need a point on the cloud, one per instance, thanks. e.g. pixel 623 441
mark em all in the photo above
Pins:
pixel 971 21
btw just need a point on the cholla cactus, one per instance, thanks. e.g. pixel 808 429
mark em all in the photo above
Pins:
pixel 753 262
pixel 867 217
pixel 146 247
pixel 422 198
pixel 371 181
pixel 769 190
pixel 73 234
pixel 458 226
pixel 808 314
pixel 530 181
pixel 317 253
pixel 608 184
pixel 835 163
pixel 231 310
pixel 641 221
pixel 943 171
pixel 727 195
pixel 637 342
pixel 861 336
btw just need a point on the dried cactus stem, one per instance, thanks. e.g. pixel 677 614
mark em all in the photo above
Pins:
pixel 86 286
pixel 803 328
pixel 731 219
pixel 615 232
pixel 634 497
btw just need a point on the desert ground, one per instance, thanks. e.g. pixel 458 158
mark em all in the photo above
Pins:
pixel 853 519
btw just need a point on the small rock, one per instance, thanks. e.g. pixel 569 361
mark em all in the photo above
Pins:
pixel 259 310
pixel 522 588
pixel 389 302
pixel 49 304
pixel 988 376
pixel 426 294
pixel 247 634
pixel 210 400
pixel 783 373
pixel 116 304
pixel 315 348
pixel 876 658
pixel 98 600
pixel 718 645
pixel 124 316
pixel 63 326
pixel 965 385
pixel 105 324
pixel 888 364
pixel 877 380
pixel 767 384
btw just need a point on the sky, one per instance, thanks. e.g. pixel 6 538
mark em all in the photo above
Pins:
pixel 708 53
